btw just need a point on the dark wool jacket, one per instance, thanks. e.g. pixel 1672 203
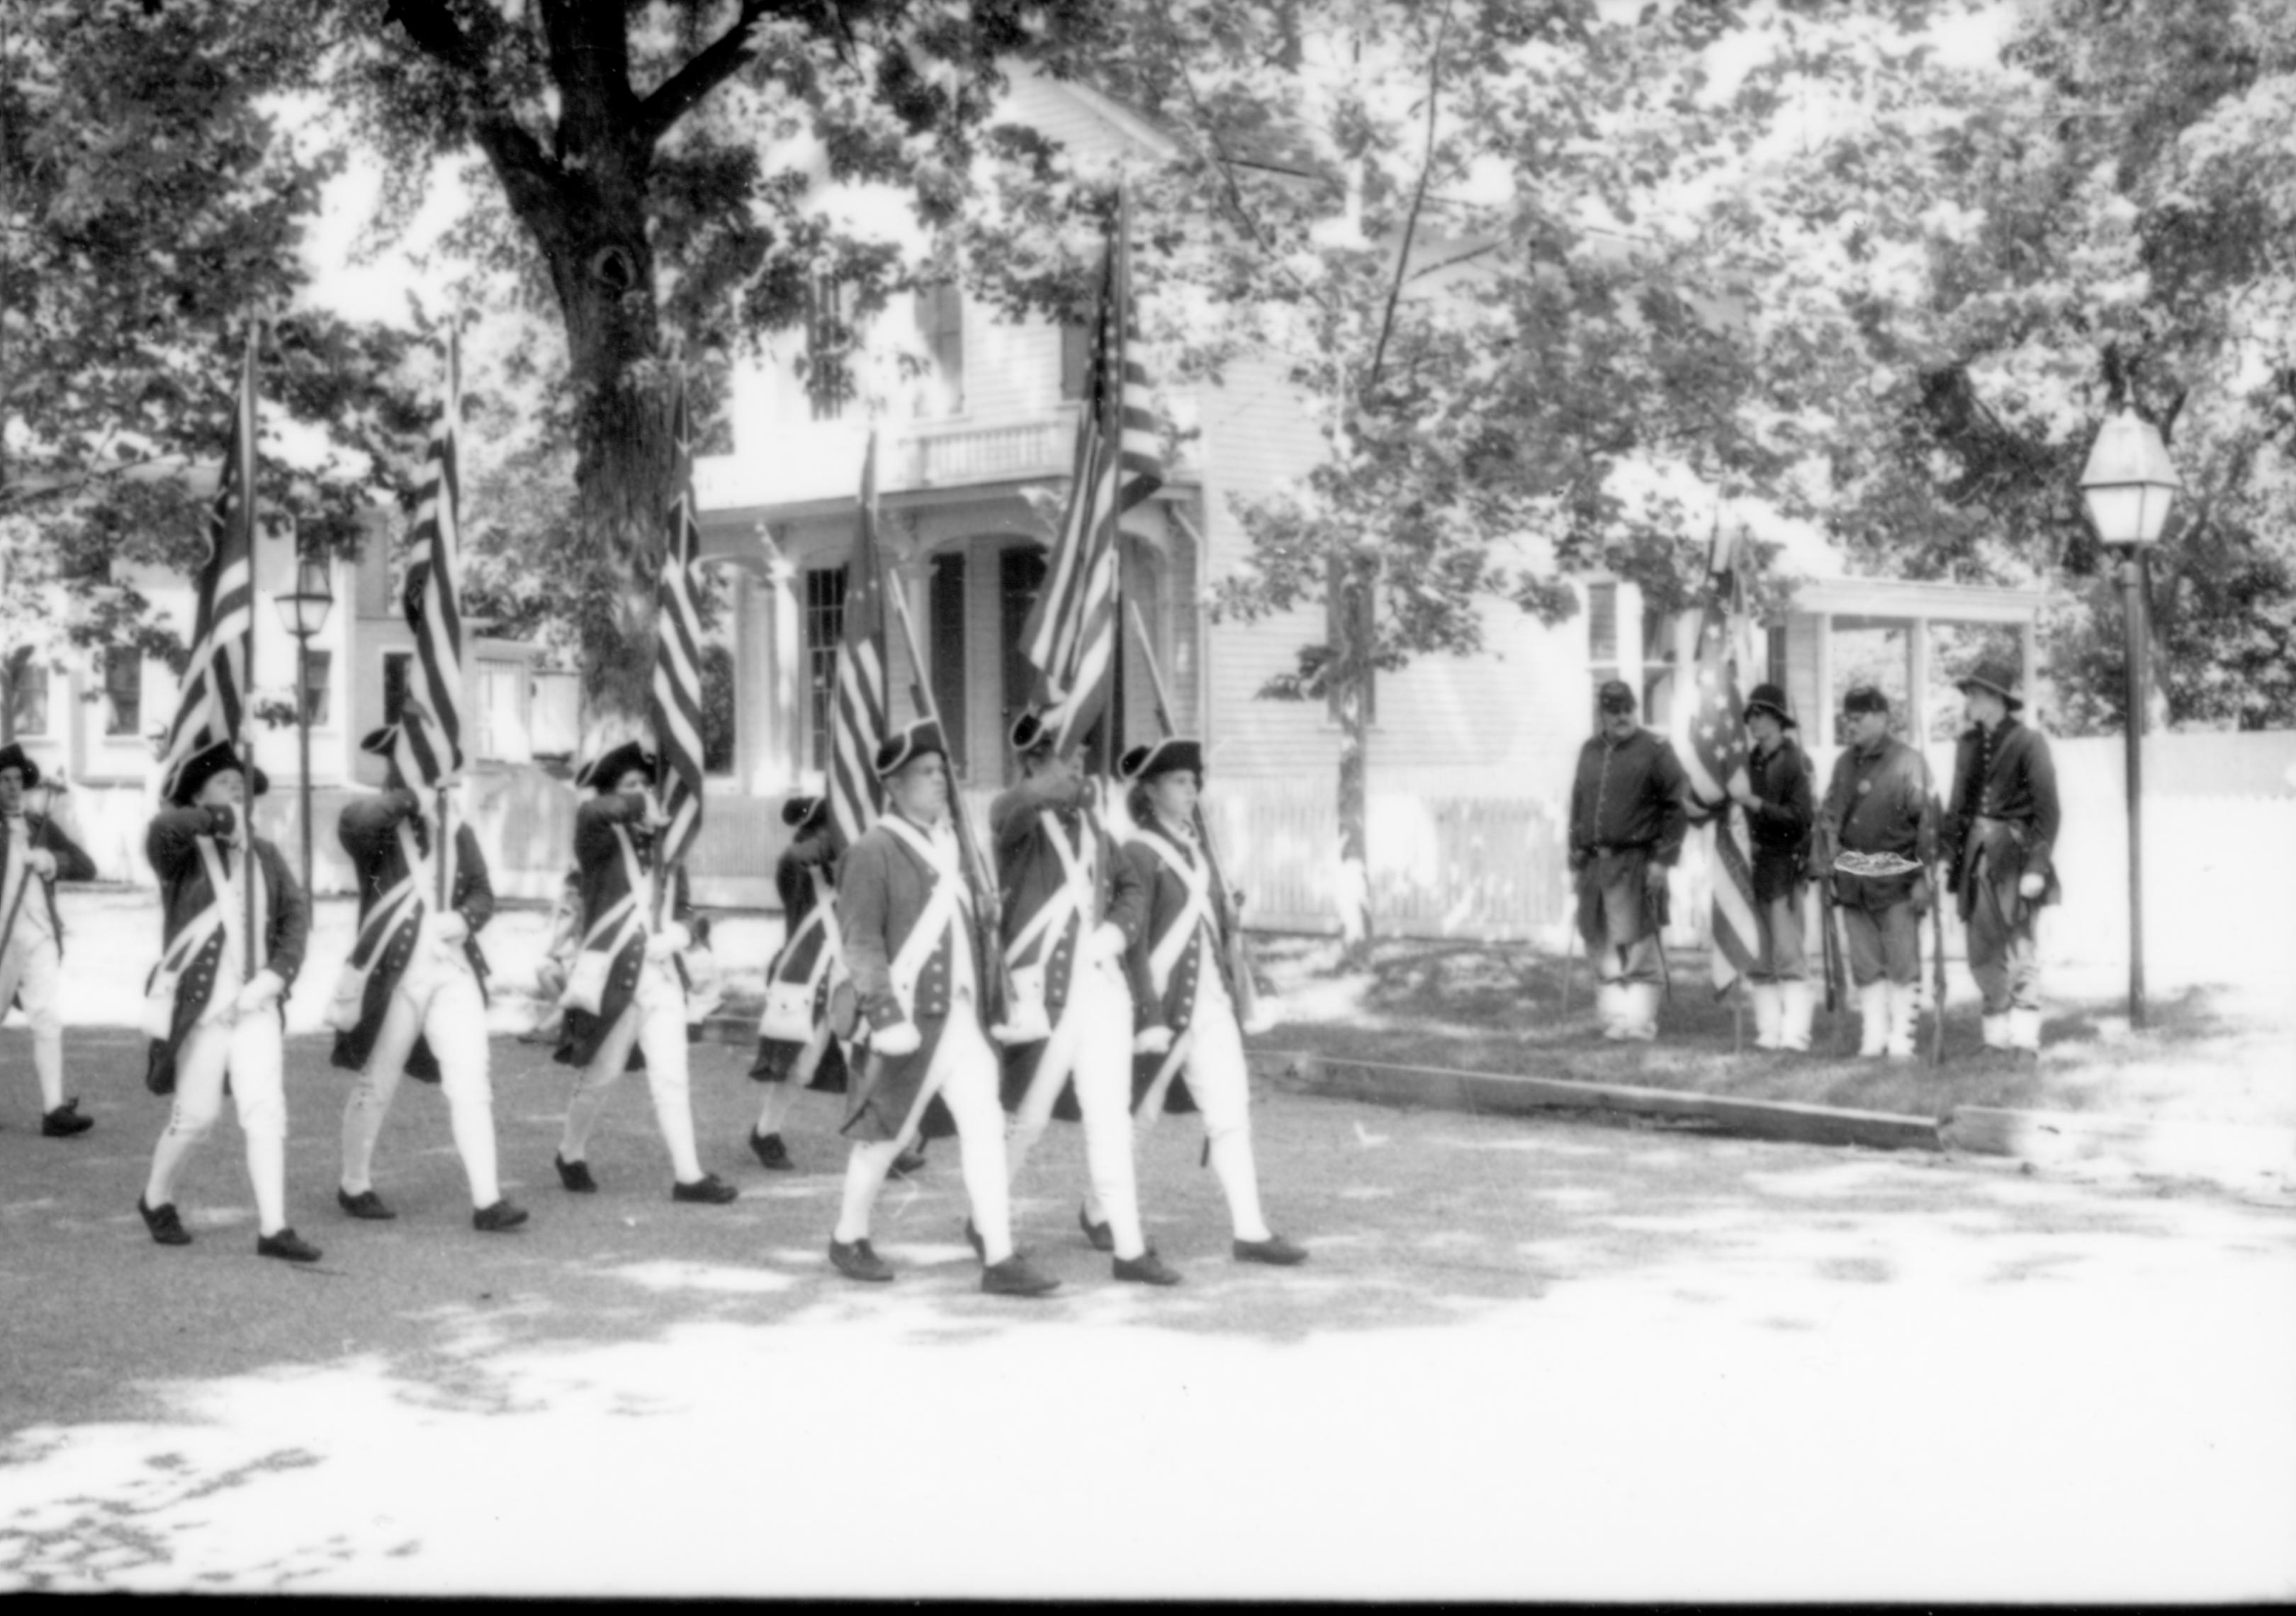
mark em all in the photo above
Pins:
pixel 1781 817
pixel 185 893
pixel 2004 775
pixel 1628 796
pixel 1879 801
pixel 368 831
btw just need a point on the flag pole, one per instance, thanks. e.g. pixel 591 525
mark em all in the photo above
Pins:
pixel 244 408
pixel 441 852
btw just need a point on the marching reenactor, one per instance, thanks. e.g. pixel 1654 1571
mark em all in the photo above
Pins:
pixel 35 854
pixel 795 1046
pixel 1073 909
pixel 1189 1045
pixel 1775 794
pixel 920 982
pixel 413 999
pixel 1879 832
pixel 625 997
pixel 2001 831
pixel 216 1019
pixel 1627 826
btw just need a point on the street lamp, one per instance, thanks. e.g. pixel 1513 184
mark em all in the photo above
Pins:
pixel 2128 485
pixel 303 612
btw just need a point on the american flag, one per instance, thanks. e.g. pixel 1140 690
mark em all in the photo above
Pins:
pixel 430 747
pixel 209 696
pixel 1714 749
pixel 676 707
pixel 1074 633
pixel 857 721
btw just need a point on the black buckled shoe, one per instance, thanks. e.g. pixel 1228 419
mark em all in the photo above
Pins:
pixel 575 1176
pixel 1145 1269
pixel 1014 1277
pixel 65 1121
pixel 1274 1251
pixel 365 1204
pixel 495 1218
pixel 286 1246
pixel 772 1154
pixel 165 1226
pixel 709 1190
pixel 1102 1237
pixel 858 1261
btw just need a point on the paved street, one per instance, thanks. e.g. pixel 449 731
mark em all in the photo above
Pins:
pixel 1529 1360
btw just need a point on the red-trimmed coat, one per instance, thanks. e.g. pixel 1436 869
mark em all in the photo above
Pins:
pixel 185 893
pixel 598 861
pixel 368 831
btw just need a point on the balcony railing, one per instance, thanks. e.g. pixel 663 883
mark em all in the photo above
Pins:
pixel 822 460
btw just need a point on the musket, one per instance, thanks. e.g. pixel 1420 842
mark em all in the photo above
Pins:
pixel 989 928
pixel 1239 953
pixel 1937 968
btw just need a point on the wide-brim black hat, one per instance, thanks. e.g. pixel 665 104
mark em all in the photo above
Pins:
pixel 605 772
pixel 1142 764
pixel 1999 677
pixel 1769 698
pixel 801 809
pixel 902 747
pixel 196 770
pixel 13 756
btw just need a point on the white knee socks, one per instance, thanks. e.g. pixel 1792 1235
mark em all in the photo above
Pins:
pixel 864 1175
pixel 1232 1161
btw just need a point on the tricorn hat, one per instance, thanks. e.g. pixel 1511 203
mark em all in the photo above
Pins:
pixel 196 770
pixel 605 772
pixel 898 750
pixel 1771 699
pixel 1142 764
pixel 800 809
pixel 1999 677
pixel 13 756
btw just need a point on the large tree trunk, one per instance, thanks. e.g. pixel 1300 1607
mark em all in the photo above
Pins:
pixel 1350 684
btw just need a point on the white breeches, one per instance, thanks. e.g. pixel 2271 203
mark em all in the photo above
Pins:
pixel 31 967
pixel 447 1011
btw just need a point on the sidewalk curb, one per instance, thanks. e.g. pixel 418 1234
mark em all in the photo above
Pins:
pixel 2251 1158
pixel 1506 1095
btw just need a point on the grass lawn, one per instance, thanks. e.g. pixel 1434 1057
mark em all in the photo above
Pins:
pixel 2220 1053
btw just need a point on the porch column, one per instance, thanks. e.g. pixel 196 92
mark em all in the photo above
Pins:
pixel 1827 700
pixel 1918 683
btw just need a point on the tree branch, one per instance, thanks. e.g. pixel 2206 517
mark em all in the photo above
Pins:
pixel 528 175
pixel 714 63
pixel 1418 201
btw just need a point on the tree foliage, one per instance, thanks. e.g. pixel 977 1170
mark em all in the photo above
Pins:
pixel 152 207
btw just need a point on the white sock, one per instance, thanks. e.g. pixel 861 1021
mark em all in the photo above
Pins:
pixel 674 1115
pixel 588 1105
pixel 865 1176
pixel 1114 1198
pixel 363 1117
pixel 267 1170
pixel 470 1116
pixel 775 1110
pixel 1232 1161
pixel 175 1148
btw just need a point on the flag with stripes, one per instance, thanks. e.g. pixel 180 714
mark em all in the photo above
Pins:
pixel 1714 749
pixel 210 698
pixel 857 721
pixel 676 704
pixel 1074 632
pixel 430 746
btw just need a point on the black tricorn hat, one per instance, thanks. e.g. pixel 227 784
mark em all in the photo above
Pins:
pixel 13 756
pixel 902 745
pixel 1142 764
pixel 196 770
pixel 801 809
pixel 1999 677
pixel 1771 699
pixel 379 740
pixel 605 772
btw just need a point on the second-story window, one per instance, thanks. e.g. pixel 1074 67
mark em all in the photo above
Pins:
pixel 941 327
pixel 828 349
pixel 824 627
